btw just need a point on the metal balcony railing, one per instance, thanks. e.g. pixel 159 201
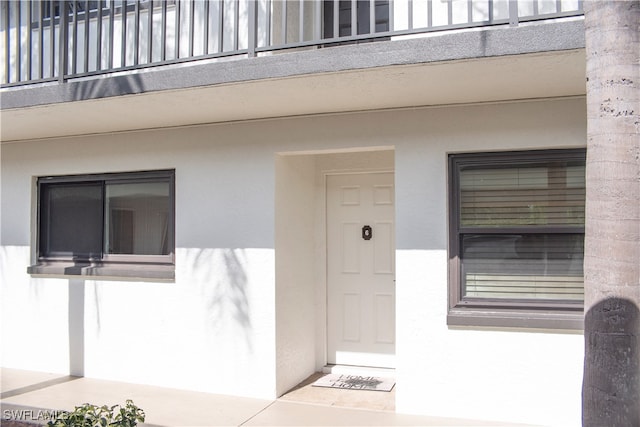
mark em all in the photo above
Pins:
pixel 57 40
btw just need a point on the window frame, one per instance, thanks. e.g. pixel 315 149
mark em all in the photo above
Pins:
pixel 160 267
pixel 501 312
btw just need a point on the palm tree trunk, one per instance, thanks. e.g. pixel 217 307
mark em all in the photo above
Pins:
pixel 611 387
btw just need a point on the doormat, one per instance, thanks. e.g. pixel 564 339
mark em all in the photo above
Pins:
pixel 355 382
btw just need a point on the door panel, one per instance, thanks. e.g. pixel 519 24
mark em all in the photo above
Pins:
pixel 350 248
pixel 385 322
pixel 360 271
pixel 383 250
pixel 351 315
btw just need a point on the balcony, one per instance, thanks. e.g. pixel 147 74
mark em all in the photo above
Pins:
pixel 297 58
pixel 60 40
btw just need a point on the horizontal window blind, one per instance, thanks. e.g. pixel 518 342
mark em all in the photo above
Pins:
pixel 523 266
pixel 519 196
pixel 520 227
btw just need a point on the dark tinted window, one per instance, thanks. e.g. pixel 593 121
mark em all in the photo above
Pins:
pixel 71 219
pixel 106 215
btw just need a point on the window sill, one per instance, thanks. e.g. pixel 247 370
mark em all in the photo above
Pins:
pixel 535 319
pixel 103 271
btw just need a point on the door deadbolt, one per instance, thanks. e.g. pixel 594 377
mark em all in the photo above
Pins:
pixel 367 232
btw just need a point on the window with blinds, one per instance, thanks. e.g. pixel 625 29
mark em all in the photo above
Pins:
pixel 526 195
pixel 518 228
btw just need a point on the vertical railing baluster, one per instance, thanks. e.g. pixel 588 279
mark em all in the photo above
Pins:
pixel 163 32
pixel 535 7
pixel 558 6
pixel 87 36
pixel 236 25
pixel 410 13
pixel 52 39
pixel 62 48
pixel 74 50
pixel 177 30
pixel 470 11
pixel 354 17
pixel 336 18
pixel 284 22
pixel 99 36
pixel 391 16
pixel 18 41
pixel 317 33
pixel 301 20
pixel 220 26
pixel 450 12
pixel 110 35
pixel 268 37
pixel 372 16
pixel 429 15
pixel 192 24
pixel 192 29
pixel 123 33
pixel 150 33
pixel 112 12
pixel 136 32
pixel 490 10
pixel 7 40
pixel 252 33
pixel 29 41
pixel 40 39
pixel 513 13
pixel 205 48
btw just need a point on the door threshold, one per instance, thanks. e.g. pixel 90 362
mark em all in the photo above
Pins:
pixel 359 370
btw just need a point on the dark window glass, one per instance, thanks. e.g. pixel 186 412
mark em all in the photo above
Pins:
pixel 137 218
pixel 107 216
pixel 71 218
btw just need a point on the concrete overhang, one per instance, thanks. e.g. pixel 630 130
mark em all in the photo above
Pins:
pixel 497 64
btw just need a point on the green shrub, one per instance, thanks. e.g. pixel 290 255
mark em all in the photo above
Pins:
pixel 89 415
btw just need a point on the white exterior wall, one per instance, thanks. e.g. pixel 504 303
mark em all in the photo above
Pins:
pixel 246 315
pixel 295 270
pixel 211 330
pixel 532 376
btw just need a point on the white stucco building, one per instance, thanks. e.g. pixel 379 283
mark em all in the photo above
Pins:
pixel 281 198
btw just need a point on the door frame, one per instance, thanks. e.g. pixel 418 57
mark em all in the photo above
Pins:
pixel 325 229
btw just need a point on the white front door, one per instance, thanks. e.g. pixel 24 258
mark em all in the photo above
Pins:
pixel 360 269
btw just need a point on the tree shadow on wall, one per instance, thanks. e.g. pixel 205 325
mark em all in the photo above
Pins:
pixel 611 385
pixel 223 281
pixel 128 84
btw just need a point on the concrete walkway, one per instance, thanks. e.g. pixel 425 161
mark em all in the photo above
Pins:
pixel 33 396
